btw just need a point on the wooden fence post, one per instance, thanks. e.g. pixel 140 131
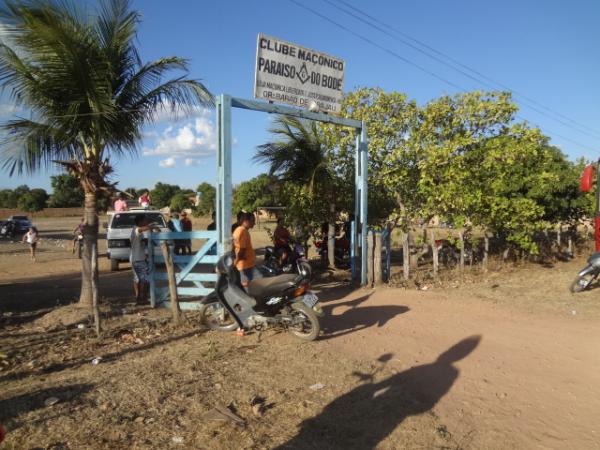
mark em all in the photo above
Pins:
pixel 95 307
pixel 370 259
pixel 377 267
pixel 486 251
pixel 172 282
pixel 406 256
pixel 570 245
pixel 388 254
pixel 461 239
pixel 434 254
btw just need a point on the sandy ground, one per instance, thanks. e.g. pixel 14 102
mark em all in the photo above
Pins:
pixel 509 360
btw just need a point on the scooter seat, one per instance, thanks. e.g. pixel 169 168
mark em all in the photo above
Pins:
pixel 266 287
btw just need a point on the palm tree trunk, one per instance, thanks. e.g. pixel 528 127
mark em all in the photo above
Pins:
pixel 89 269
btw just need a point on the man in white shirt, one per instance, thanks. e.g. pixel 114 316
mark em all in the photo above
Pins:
pixel 139 258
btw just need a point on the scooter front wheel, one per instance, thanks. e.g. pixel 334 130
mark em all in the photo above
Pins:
pixel 216 317
pixel 582 282
pixel 305 323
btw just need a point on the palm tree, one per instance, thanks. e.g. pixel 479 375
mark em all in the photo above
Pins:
pixel 89 94
pixel 298 155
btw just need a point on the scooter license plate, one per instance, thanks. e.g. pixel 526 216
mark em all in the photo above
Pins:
pixel 310 299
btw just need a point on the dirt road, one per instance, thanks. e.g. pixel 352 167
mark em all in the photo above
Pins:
pixel 509 361
pixel 526 380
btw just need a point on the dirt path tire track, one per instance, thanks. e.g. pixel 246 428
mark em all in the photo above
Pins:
pixel 533 381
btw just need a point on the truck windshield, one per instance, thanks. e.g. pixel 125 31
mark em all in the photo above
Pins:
pixel 128 220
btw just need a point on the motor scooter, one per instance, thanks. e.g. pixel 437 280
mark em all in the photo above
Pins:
pixel 587 275
pixel 281 301
pixel 296 262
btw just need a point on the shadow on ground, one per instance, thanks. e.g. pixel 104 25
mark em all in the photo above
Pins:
pixel 357 317
pixel 365 416
pixel 12 407
pixel 37 294
pixel 104 357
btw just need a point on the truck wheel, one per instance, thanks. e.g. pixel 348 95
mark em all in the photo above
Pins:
pixel 114 265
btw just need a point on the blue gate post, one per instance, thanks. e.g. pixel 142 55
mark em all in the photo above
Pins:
pixel 363 151
pixel 224 174
pixel 355 241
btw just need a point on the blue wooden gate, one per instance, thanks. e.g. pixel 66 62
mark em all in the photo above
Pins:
pixel 194 273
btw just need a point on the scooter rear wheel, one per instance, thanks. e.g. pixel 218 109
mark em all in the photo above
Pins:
pixel 305 324
pixel 216 317
pixel 582 282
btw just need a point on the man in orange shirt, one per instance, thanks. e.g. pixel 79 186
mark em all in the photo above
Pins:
pixel 245 258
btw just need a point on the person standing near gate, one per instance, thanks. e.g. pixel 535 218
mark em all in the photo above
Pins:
pixel 245 258
pixel 238 221
pixel 144 199
pixel 186 225
pixel 120 204
pixel 139 257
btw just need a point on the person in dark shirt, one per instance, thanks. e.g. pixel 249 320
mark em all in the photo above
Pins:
pixel 186 225
pixel 281 239
pixel 238 221
pixel 212 227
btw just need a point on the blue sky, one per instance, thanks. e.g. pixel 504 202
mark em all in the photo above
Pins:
pixel 545 50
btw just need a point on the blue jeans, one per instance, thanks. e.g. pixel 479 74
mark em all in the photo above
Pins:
pixel 247 275
pixel 141 271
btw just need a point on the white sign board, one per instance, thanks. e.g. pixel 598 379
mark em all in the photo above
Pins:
pixel 288 73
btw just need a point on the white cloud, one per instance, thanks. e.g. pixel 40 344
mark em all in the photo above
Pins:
pixel 192 139
pixel 164 113
pixel 191 162
pixel 169 162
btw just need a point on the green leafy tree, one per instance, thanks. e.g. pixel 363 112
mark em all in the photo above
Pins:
pixel 21 190
pixel 89 93
pixel 258 191
pixel 8 198
pixel 181 200
pixel 207 197
pixel 393 163
pixel 297 155
pixel 562 200
pixel 451 137
pixel 66 191
pixel 131 193
pixel 162 194
pixel 33 201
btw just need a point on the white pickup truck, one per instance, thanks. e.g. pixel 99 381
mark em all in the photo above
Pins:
pixel 118 233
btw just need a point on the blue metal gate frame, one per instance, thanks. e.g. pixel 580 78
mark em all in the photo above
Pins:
pixel 359 230
pixel 185 264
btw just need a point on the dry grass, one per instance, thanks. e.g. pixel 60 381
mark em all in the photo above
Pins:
pixel 155 386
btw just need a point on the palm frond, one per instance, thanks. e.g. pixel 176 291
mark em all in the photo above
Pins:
pixel 296 153
pixel 83 80
pixel 31 145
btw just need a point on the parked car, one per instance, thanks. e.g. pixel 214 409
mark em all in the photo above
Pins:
pixel 23 223
pixel 118 233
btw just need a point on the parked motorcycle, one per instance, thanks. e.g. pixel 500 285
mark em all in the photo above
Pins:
pixel 296 262
pixel 342 251
pixel 279 301
pixel 587 275
pixel 8 229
